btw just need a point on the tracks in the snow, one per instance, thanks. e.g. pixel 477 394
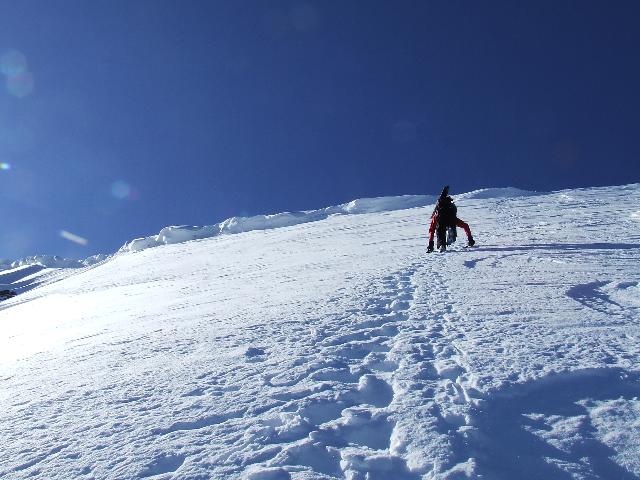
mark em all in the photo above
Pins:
pixel 337 418
pixel 435 388
pixel 348 412
pixel 383 391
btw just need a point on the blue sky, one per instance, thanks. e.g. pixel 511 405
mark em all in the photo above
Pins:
pixel 118 118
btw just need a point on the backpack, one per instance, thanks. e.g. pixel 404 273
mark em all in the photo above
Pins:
pixel 447 212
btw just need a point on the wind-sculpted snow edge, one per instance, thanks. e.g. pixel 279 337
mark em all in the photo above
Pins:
pixel 490 193
pixel 184 233
pixel 233 225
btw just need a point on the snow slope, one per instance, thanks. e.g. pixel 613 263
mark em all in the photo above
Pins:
pixel 183 233
pixel 339 349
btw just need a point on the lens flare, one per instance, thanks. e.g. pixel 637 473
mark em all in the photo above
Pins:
pixel 72 237
pixel 20 85
pixel 5 166
pixel 121 189
pixel 13 63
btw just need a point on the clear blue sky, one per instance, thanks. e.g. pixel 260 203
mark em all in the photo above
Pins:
pixel 118 118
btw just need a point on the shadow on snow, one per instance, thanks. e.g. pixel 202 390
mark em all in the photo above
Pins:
pixel 507 448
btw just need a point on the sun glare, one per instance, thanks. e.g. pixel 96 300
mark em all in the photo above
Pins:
pixel 19 80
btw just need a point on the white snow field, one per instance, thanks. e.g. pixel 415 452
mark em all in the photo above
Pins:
pixel 338 349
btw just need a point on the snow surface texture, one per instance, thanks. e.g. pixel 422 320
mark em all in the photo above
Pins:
pixel 339 349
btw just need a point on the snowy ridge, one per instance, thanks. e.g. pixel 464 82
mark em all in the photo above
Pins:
pixel 53 261
pixel 15 278
pixel 183 233
pixel 488 193
pixel 32 272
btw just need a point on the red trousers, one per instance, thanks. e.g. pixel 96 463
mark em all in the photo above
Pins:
pixel 459 223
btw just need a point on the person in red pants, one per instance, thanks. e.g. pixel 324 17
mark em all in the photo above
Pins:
pixel 445 216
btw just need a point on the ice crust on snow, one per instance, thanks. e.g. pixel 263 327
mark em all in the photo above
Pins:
pixel 338 350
